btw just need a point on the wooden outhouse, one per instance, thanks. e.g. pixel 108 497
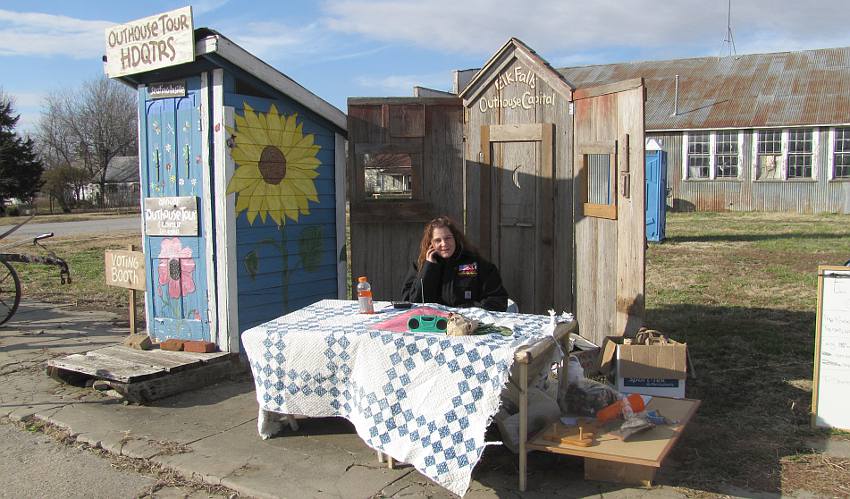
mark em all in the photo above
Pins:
pixel 547 178
pixel 242 186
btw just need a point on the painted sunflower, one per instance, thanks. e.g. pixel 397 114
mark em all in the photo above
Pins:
pixel 275 166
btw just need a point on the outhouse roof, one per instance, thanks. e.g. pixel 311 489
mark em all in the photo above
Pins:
pixel 208 41
pixel 810 87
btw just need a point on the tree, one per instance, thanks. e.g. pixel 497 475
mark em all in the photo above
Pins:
pixel 87 127
pixel 20 168
pixel 64 184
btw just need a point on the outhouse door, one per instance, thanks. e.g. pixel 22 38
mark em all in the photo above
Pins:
pixel 172 168
pixel 517 225
pixel 610 230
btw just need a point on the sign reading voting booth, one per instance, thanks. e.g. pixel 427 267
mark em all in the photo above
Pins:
pixel 125 269
pixel 155 42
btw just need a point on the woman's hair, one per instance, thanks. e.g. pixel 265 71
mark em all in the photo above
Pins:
pixel 427 234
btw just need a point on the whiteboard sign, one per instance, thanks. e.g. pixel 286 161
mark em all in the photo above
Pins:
pixel 159 41
pixel 830 403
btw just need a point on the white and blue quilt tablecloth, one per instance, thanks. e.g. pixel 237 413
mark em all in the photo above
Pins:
pixel 423 398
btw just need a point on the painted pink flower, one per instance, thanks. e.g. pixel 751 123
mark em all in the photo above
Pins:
pixel 176 267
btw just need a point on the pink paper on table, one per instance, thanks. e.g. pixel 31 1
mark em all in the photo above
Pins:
pixel 398 324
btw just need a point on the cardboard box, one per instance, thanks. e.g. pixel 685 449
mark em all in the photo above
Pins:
pixel 658 369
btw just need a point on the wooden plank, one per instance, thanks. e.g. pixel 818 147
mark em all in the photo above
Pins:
pixel 600 210
pixel 609 471
pixel 608 88
pixel 106 367
pixel 647 449
pixel 546 220
pixel 546 73
pixel 443 153
pixel 631 215
pixel 146 357
pixel 484 205
pixel 407 120
pixel 376 212
pixel 426 101
pixel 509 133
pixel 144 391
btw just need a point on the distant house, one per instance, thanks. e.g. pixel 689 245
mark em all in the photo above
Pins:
pixel 761 132
pixel 122 183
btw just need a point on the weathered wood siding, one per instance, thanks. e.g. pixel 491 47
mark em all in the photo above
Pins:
pixel 610 268
pixel 283 266
pixel 526 231
pixel 385 234
pixel 818 195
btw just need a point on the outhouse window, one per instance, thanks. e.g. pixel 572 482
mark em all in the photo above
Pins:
pixel 388 176
pixel 841 153
pixel 599 182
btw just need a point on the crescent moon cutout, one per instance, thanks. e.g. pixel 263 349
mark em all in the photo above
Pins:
pixel 515 177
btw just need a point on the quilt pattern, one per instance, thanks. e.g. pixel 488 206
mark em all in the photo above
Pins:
pixel 423 398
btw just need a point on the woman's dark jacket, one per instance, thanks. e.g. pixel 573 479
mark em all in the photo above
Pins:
pixel 464 280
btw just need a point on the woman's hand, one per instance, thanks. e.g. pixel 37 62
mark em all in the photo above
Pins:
pixel 430 255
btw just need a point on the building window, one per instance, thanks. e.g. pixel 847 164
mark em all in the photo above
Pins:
pixel 800 153
pixel 786 154
pixel 712 155
pixel 769 158
pixel 726 154
pixel 699 155
pixel 841 153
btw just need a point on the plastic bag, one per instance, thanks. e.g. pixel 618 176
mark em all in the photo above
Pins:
pixel 582 396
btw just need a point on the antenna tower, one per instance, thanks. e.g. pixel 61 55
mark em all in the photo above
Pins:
pixel 729 41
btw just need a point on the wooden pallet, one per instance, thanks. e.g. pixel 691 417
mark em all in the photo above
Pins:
pixel 145 375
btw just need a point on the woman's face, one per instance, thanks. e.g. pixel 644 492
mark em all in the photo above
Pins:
pixel 443 241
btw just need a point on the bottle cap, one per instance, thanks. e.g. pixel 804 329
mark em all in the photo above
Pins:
pixel 361 278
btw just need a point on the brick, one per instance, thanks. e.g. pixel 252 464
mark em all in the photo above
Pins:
pixel 172 344
pixel 138 341
pixel 199 346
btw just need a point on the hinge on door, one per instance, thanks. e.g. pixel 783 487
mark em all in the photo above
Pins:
pixel 572 108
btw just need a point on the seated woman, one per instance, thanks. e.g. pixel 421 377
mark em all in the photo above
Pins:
pixel 449 271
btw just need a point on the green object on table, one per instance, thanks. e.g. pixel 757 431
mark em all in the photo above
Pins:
pixel 493 329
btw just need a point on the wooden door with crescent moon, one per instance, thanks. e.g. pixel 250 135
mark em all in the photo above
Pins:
pixel 517 231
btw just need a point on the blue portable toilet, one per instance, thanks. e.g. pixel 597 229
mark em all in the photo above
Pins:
pixel 656 191
pixel 243 185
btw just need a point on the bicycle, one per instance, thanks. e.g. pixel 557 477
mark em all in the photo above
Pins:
pixel 10 283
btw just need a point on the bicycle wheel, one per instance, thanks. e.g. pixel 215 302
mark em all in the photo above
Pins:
pixel 10 291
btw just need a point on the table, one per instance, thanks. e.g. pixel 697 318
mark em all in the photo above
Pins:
pixel 421 398
pixel 634 461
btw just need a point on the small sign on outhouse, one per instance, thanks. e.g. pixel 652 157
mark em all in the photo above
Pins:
pixel 242 175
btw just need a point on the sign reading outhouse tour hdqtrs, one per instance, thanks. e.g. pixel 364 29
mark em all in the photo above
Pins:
pixel 171 216
pixel 154 42
pixel 125 269
pixel 167 90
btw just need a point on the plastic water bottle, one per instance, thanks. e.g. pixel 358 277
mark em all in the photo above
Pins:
pixel 364 296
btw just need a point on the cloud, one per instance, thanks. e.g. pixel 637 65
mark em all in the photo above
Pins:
pixel 403 84
pixel 480 27
pixel 37 34
pixel 204 6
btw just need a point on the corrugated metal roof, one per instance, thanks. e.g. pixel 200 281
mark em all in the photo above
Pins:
pixel 811 87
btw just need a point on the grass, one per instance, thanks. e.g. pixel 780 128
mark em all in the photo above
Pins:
pixel 85 257
pixel 739 288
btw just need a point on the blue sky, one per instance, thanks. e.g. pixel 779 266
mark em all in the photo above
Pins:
pixel 352 48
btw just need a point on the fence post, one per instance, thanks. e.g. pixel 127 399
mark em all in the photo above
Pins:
pixel 132 291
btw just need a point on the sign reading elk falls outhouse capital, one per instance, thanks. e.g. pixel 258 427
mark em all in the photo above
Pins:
pixel 154 42
pixel 171 216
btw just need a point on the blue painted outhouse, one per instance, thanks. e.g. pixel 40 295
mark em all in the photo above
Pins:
pixel 242 174
pixel 656 193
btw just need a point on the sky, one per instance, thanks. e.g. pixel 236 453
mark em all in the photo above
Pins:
pixel 358 48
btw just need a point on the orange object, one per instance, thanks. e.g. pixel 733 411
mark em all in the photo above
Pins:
pixel 615 410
